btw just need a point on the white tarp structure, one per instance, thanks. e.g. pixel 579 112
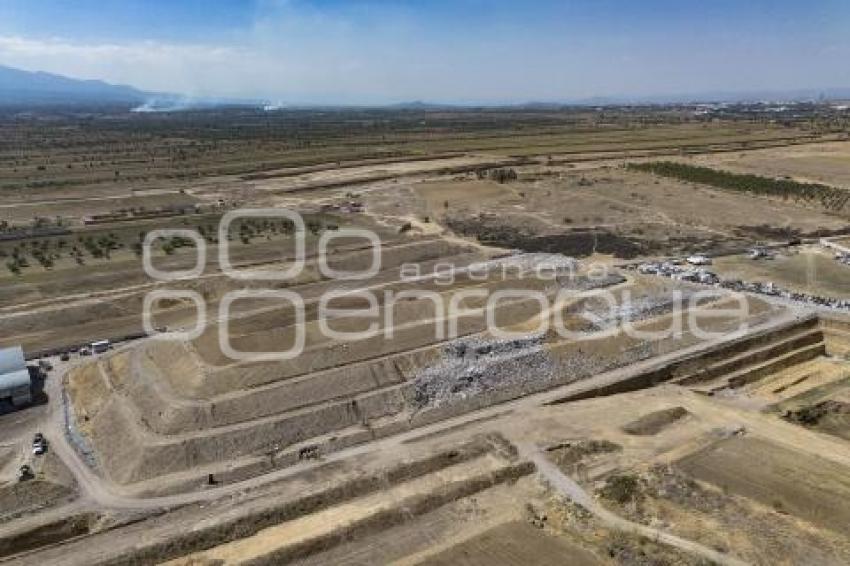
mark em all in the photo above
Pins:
pixel 15 384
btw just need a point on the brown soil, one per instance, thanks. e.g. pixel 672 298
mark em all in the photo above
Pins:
pixel 47 534
pixel 568 456
pixel 831 417
pixel 52 485
pixel 168 418
pixel 604 208
pixel 78 208
pixel 823 163
pixel 808 271
pixel 655 422
pixel 514 544
pixel 755 533
pixel 809 488
pixel 292 505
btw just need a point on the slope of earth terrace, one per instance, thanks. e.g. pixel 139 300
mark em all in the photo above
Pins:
pixel 496 378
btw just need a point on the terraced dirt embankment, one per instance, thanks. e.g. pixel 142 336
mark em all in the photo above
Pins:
pixel 166 416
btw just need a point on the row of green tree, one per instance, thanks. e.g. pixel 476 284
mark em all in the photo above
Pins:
pixel 831 198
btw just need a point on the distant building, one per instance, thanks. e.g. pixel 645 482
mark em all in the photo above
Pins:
pixel 15 383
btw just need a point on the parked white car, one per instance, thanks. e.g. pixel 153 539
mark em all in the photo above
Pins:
pixel 39 444
pixel 699 260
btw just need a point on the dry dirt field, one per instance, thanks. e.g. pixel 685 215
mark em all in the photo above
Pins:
pixel 75 208
pixel 827 163
pixel 606 210
pixel 444 442
pixel 458 487
pixel 811 271
pixel 513 544
pixel 812 489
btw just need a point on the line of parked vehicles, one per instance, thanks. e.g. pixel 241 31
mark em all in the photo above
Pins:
pixel 98 347
pixel 39 448
pixel 39 442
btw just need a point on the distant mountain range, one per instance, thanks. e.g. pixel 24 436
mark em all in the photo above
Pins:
pixel 25 88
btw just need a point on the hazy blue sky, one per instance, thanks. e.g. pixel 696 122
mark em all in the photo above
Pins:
pixel 439 50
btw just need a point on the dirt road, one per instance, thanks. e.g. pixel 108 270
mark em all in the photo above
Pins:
pixel 564 485
pixel 107 495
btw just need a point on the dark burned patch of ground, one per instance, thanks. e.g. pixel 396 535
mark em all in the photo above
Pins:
pixel 831 417
pixel 574 243
pixel 568 455
pixel 583 242
pixel 682 245
pixel 653 423
pixel 768 232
